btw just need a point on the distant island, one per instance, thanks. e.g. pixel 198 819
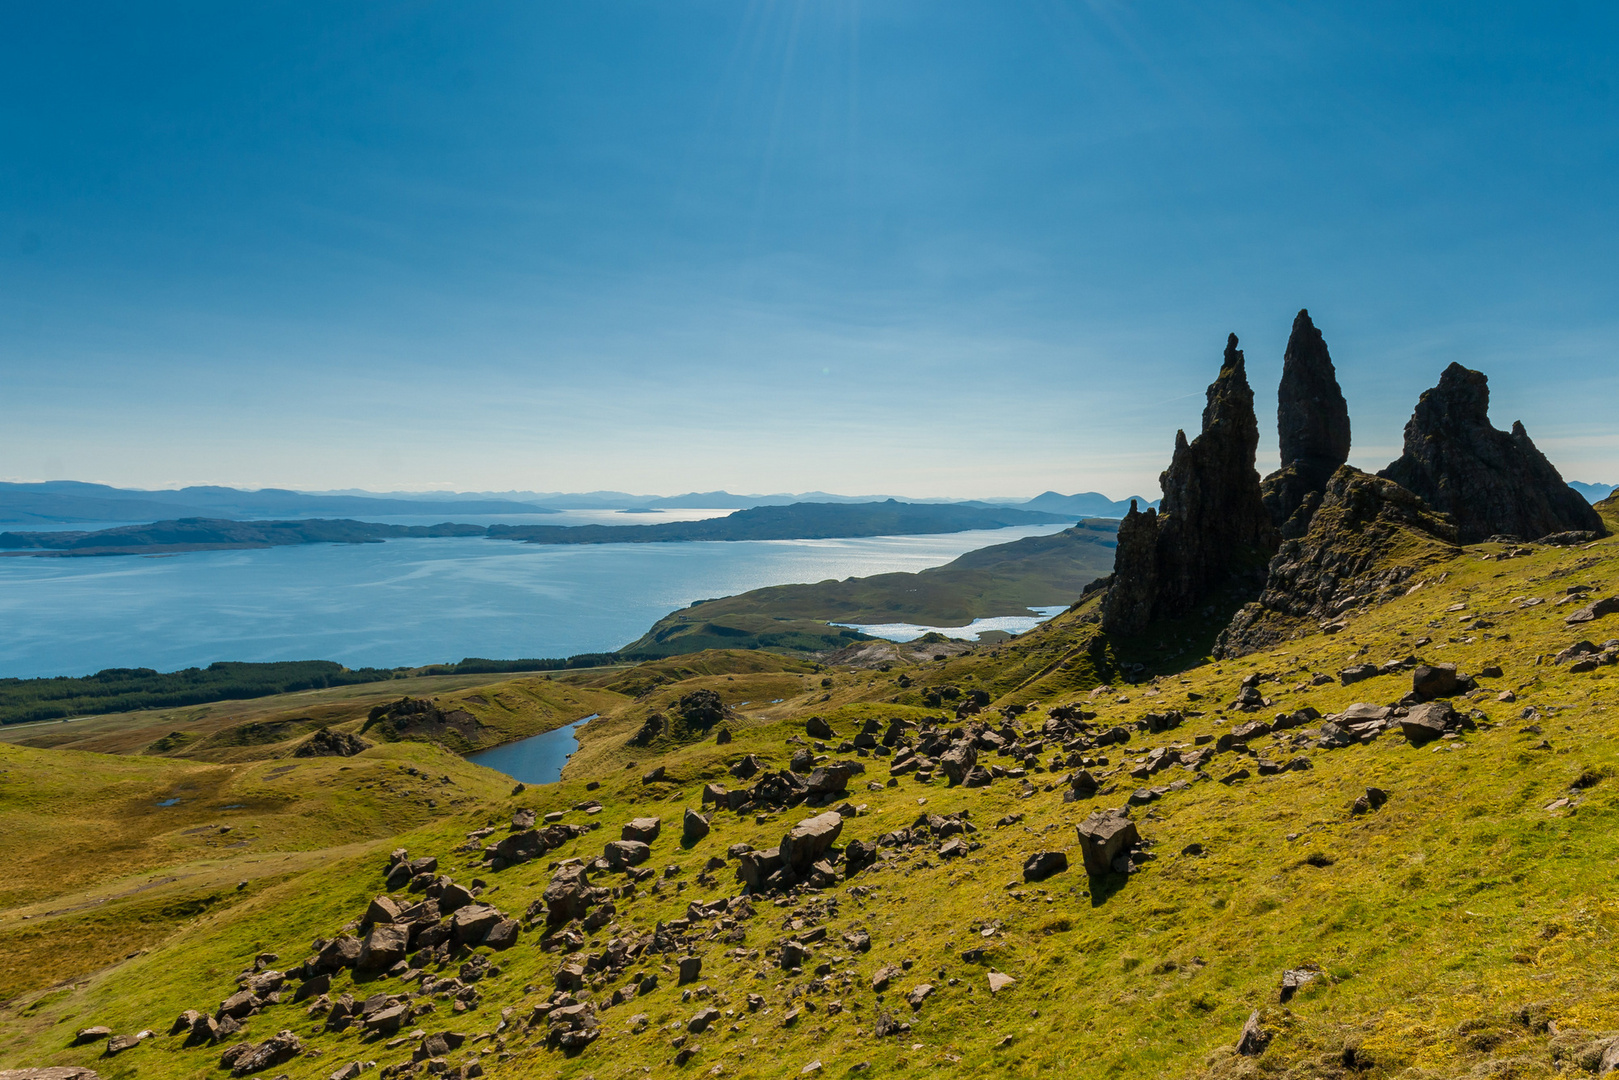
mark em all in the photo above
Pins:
pixel 803 521
pixel 215 534
pixel 69 501
pixel 799 521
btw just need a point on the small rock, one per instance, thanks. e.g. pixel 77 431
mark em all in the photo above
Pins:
pixel 1254 1038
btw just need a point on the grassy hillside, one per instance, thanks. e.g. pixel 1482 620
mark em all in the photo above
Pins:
pixel 1004 579
pixel 1457 930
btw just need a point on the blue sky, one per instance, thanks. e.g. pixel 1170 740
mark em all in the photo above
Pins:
pixel 928 248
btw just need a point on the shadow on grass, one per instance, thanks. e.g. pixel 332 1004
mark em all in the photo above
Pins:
pixel 1105 886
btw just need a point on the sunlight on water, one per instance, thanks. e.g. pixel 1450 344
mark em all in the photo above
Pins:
pixel 405 602
pixel 1011 624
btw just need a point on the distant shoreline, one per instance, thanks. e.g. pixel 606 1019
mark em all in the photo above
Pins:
pixel 799 521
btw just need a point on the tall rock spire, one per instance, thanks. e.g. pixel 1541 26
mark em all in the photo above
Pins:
pixel 1211 521
pixel 1488 481
pixel 1312 422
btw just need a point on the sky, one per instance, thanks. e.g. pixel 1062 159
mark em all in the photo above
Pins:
pixel 928 248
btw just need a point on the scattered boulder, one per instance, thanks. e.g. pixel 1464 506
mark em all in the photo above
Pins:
pixel 502 935
pixel 1043 864
pixel 883 976
pixel 693 826
pixel 1435 680
pixel 329 743
pixel 472 924
pixel 1590 612
pixel 643 829
pixel 625 853
pixel 999 982
pixel 1426 722
pixel 1104 836
pixel 690 968
pixel 809 839
pixel 245 1058
pixel 1254 1038
pixel 1296 978
pixel 383 947
pixel 958 761
pixel 817 728
pixel 117 1044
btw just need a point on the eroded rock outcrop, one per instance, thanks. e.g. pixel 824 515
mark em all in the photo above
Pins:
pixel 329 743
pixel 1212 523
pixel 1489 481
pixel 1365 542
pixel 1312 427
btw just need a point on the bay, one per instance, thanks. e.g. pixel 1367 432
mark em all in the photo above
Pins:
pixel 404 602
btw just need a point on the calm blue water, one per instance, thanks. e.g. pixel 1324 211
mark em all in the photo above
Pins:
pixel 405 602
pixel 537 759
pixel 1012 624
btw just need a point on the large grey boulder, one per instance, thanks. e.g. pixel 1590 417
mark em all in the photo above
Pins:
pixel 1426 722
pixel 642 829
pixel 622 853
pixel 472 924
pixel 958 761
pixel 809 839
pixel 1104 835
pixel 384 947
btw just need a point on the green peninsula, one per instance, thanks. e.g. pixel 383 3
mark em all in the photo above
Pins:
pixel 1006 579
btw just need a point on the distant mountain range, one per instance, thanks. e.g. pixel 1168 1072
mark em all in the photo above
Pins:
pixel 66 502
pixel 800 521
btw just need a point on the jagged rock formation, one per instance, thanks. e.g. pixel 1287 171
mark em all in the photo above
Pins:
pixel 1490 482
pixel 1312 422
pixel 1365 542
pixel 1212 519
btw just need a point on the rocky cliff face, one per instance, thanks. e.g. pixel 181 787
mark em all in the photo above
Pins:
pixel 1364 544
pixel 1490 482
pixel 1212 519
pixel 1312 421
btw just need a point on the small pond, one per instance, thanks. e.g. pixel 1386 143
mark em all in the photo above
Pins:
pixel 537 759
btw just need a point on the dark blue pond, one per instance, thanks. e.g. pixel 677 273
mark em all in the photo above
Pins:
pixel 537 759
